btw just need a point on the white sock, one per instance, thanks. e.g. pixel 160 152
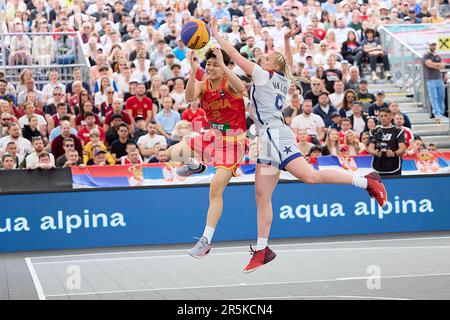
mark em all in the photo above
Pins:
pixel 208 233
pixel 359 182
pixel 194 165
pixel 261 244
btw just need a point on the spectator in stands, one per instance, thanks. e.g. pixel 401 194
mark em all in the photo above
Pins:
pixel 11 149
pixel 112 133
pixel 147 142
pixel 395 109
pixel 311 122
pixel 313 95
pixel 99 158
pixel 324 109
pixel 331 143
pixel 417 147
pixel 67 159
pixel 65 46
pixel 374 52
pixel 337 97
pixel 321 58
pixel 161 156
pixel 434 16
pixel 194 113
pixel 364 96
pixel 293 109
pixel 31 130
pixel 30 88
pixel 349 97
pixel 117 108
pixel 77 78
pixel 353 82
pixel 45 161
pixel 167 118
pixel 133 156
pixel 7 162
pixel 23 145
pixel 86 107
pixel 96 143
pixel 431 147
pixel 354 146
pixel 303 143
pixel 57 145
pixel 399 122
pixel 378 104
pixel 20 46
pixel 351 50
pixel 48 89
pixel 32 160
pixel 4 95
pixel 433 65
pixel 139 104
pixel 30 110
pixel 330 75
pixel 84 132
pixel 5 120
pixel 118 147
pixel 50 108
pixel 358 119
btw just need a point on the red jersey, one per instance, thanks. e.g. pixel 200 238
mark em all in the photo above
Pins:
pixel 139 107
pixel 408 136
pixel 83 134
pixel 125 117
pixel 188 115
pixel 224 110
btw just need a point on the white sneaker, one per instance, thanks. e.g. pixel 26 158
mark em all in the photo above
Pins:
pixel 374 76
pixel 388 75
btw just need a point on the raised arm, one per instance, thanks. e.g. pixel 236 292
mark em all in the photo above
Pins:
pixel 287 45
pixel 194 88
pixel 234 55
pixel 235 82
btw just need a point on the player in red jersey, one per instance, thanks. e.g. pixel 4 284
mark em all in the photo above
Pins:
pixel 223 145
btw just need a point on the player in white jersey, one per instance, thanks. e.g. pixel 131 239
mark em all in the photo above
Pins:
pixel 278 146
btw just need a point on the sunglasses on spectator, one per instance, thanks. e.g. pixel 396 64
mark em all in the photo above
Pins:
pixel 69 145
pixel 110 92
pixel 316 84
pixel 323 45
pixel 84 94
pixel 123 130
pixel 57 94
pixel 6 119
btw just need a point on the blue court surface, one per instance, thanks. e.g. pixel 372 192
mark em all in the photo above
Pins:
pixel 389 266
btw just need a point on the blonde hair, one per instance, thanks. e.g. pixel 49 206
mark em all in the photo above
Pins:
pixel 282 62
pixel 331 144
pixel 355 143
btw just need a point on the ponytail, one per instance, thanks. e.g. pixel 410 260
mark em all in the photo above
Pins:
pixel 283 63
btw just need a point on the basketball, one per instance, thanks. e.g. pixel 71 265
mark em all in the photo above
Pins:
pixel 195 34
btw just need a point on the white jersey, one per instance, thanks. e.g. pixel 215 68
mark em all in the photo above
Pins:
pixel 277 142
pixel 268 97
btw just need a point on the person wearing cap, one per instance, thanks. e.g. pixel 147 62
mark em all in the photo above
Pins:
pixel 325 109
pixel 433 65
pixel 165 72
pixel 364 96
pixel 412 16
pixel 378 104
pixel 180 51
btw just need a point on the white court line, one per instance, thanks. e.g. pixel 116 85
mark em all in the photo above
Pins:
pixel 323 297
pixel 244 247
pixel 235 253
pixel 243 285
pixel 37 283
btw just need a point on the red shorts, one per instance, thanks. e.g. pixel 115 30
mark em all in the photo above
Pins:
pixel 214 148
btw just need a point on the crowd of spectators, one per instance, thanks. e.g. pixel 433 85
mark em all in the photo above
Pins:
pixel 132 106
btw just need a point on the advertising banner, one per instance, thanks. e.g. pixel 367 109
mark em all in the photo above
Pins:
pixel 163 215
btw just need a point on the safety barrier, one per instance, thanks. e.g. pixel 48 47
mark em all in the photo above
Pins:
pixel 163 215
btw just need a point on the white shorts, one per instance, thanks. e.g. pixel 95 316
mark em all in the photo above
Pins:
pixel 277 146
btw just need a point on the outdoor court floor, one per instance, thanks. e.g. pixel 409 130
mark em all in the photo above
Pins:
pixel 395 266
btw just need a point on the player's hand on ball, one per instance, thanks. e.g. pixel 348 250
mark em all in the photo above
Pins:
pixel 214 27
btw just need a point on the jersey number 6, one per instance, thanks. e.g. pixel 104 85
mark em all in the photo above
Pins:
pixel 279 101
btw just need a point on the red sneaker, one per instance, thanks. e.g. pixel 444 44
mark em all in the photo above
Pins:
pixel 260 258
pixel 375 188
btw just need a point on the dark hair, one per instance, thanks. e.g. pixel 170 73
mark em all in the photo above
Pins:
pixel 64 118
pixel 6 155
pixel 68 140
pixel 387 110
pixel 88 114
pixel 37 139
pixel 131 143
pixel 210 54
pixel 345 120
pixel 345 103
pixel 123 124
pixel 315 148
pixel 44 154
pixel 61 104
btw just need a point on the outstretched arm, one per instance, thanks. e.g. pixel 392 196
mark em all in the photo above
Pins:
pixel 287 45
pixel 235 82
pixel 242 62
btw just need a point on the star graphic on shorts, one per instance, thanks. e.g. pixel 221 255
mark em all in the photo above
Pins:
pixel 287 150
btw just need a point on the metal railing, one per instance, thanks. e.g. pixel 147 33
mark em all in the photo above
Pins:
pixel 40 68
pixel 407 67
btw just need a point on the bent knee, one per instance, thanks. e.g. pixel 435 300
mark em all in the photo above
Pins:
pixel 310 178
